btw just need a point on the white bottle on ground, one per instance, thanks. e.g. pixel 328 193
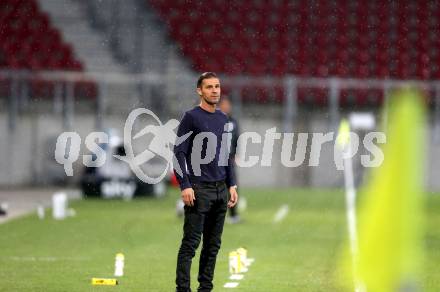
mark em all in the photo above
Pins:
pixel 119 265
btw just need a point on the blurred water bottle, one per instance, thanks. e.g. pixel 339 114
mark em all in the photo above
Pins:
pixel 59 202
pixel 119 265
pixel 40 211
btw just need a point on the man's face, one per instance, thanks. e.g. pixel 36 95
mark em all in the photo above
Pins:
pixel 209 90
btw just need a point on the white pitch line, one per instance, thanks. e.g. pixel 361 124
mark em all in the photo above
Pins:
pixel 281 213
pixel 231 285
pixel 46 259
pixel 237 277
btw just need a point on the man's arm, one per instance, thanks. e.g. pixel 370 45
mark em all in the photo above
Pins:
pixel 232 178
pixel 230 168
pixel 235 135
pixel 180 152
pixel 230 173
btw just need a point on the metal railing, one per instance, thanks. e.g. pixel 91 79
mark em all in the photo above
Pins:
pixel 118 93
pixel 178 88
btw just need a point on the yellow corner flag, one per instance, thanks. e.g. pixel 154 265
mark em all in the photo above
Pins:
pixel 343 137
pixel 390 218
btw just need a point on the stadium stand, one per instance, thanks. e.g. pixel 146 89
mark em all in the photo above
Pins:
pixel 348 39
pixel 28 41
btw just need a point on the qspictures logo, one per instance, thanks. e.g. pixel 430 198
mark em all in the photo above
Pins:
pixel 164 139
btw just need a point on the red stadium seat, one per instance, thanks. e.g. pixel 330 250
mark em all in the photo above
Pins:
pixel 25 31
pixel 28 41
pixel 86 89
pixel 313 96
pixel 344 39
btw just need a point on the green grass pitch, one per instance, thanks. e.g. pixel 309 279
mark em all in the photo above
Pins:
pixel 300 253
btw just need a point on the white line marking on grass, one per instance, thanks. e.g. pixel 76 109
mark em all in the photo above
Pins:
pixel 281 213
pixel 250 261
pixel 236 277
pixel 46 259
pixel 231 285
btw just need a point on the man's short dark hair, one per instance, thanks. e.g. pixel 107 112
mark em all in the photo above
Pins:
pixel 204 76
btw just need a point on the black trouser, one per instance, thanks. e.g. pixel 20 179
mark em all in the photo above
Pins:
pixel 206 217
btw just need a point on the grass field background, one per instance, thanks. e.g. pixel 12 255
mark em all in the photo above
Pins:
pixel 300 253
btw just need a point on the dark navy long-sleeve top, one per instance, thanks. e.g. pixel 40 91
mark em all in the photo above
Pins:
pixel 235 135
pixel 199 120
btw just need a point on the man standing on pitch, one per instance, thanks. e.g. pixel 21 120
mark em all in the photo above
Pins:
pixel 204 192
